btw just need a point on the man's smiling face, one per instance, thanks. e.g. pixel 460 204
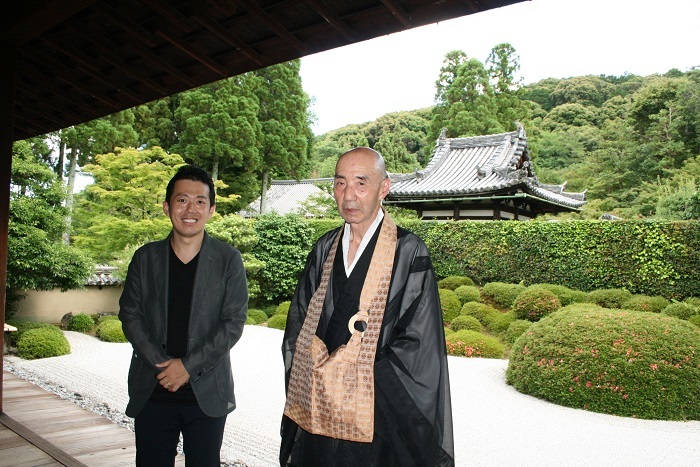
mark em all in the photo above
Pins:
pixel 189 208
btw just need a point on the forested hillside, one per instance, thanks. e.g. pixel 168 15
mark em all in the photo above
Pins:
pixel 632 141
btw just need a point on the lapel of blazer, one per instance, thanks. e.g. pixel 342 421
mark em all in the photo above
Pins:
pixel 161 262
pixel 204 269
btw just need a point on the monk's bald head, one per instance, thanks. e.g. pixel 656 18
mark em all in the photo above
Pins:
pixel 367 153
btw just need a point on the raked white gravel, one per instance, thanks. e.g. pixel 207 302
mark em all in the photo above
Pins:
pixel 494 425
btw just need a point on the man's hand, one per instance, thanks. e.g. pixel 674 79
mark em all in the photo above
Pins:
pixel 173 375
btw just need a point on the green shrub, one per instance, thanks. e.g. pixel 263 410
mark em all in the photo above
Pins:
pixel 501 293
pixel 641 302
pixel 42 343
pixel 468 293
pixel 695 319
pixel 80 323
pixel 283 308
pixel 534 303
pixel 516 329
pixel 24 326
pixel 277 322
pixel 581 307
pixel 103 318
pixel 465 322
pixel 110 330
pixel 480 311
pixel 450 304
pixel 448 331
pixel 609 298
pixel 270 310
pixel 681 310
pixel 256 316
pixel 499 322
pixel 452 282
pixel 468 343
pixel 693 301
pixel 565 295
pixel 620 362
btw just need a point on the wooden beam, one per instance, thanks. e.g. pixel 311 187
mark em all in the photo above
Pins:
pixel 333 19
pixel 225 35
pixel 8 74
pixel 261 15
pixel 399 12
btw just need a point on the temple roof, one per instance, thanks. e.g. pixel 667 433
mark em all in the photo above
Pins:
pixel 477 166
pixel 286 196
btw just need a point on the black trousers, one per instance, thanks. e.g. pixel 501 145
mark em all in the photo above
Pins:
pixel 158 429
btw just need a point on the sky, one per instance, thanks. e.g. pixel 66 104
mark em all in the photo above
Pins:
pixel 553 38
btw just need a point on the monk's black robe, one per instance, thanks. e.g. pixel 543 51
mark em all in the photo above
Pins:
pixel 413 413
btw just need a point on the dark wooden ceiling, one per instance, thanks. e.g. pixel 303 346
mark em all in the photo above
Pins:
pixel 82 59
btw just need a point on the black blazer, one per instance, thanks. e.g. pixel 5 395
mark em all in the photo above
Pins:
pixel 218 314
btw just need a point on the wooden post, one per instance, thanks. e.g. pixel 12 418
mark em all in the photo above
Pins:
pixel 8 57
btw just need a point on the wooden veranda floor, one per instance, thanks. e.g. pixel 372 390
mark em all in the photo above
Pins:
pixel 38 428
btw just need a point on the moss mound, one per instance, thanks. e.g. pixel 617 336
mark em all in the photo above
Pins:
pixel 621 362
pixel 110 331
pixel 468 343
pixel 42 343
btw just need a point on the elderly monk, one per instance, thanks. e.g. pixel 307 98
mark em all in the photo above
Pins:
pixel 364 347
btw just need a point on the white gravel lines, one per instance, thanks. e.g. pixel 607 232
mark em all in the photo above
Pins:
pixel 494 425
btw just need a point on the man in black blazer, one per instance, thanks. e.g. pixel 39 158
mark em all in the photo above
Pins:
pixel 183 308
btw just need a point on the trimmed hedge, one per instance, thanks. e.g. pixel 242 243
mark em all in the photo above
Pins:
pixel 502 293
pixel 535 303
pixel 110 330
pixel 516 329
pixel 452 282
pixel 277 322
pixel 450 304
pixel 42 343
pixel 681 310
pixel 648 257
pixel 24 326
pixel 641 302
pixel 80 323
pixel 468 293
pixel 465 322
pixel 609 298
pixel 565 295
pixel 480 311
pixel 621 362
pixel 256 316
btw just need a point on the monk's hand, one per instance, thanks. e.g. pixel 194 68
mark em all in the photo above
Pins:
pixel 173 374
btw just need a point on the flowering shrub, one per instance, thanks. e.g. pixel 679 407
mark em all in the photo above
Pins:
pixel 468 293
pixel 621 362
pixel 535 303
pixel 452 282
pixel 466 343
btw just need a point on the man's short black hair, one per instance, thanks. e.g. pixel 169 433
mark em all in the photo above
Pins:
pixel 196 174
